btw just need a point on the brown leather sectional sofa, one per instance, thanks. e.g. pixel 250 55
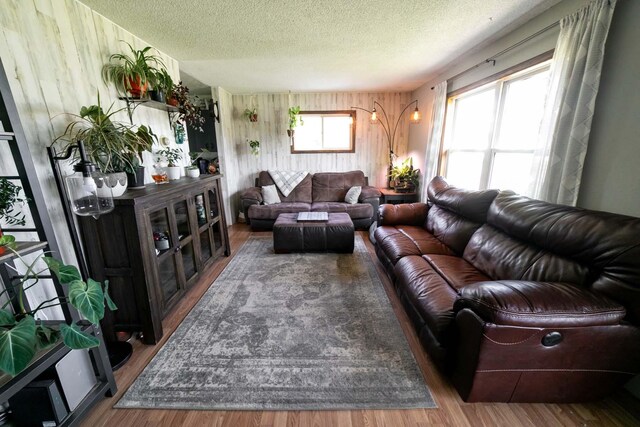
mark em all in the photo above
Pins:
pixel 518 299
pixel 320 192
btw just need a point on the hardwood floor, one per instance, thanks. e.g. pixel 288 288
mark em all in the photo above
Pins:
pixel 620 410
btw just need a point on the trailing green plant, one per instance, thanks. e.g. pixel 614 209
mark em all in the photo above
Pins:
pixel 162 81
pixel 171 155
pixel 113 146
pixel 189 113
pixel 294 117
pixel 255 146
pixel 405 173
pixel 126 71
pixel 251 114
pixel 9 197
pixel 22 334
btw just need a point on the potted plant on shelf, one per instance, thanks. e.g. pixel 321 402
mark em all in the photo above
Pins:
pixel 255 146
pixel 189 113
pixel 203 158
pixel 172 156
pixel 115 147
pixel 405 177
pixel 132 72
pixel 22 334
pixel 192 171
pixel 294 120
pixel 9 198
pixel 162 85
pixel 251 114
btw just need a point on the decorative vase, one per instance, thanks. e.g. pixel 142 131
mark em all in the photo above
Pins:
pixel 193 173
pixel 173 172
pixel 158 95
pixel 116 182
pixel 135 180
pixel 203 165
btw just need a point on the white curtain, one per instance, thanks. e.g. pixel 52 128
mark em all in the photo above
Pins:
pixel 574 81
pixel 436 128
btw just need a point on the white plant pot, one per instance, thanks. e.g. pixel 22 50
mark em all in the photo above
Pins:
pixel 117 182
pixel 173 172
pixel 193 173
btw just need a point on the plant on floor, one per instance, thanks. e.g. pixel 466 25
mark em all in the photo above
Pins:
pixel 251 114
pixel 189 113
pixel 255 146
pixel 406 177
pixel 113 146
pixel 9 198
pixel 171 155
pixel 22 333
pixel 294 120
pixel 132 72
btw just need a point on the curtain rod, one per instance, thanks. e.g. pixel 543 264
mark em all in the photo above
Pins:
pixel 492 59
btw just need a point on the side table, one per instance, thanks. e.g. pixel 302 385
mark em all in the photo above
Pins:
pixel 391 196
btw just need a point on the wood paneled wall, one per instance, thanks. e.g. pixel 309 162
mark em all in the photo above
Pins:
pixel 371 154
pixel 53 52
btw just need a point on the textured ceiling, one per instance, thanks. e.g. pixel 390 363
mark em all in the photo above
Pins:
pixel 316 45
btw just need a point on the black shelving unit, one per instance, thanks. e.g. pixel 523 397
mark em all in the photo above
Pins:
pixel 13 135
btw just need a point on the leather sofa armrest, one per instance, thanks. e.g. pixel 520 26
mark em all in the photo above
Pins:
pixel 253 193
pixel 538 304
pixel 403 214
pixel 369 192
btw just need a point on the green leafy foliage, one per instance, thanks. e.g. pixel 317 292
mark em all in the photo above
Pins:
pixel 255 147
pixel 88 299
pixel 9 197
pixel 107 298
pixel 64 273
pixel 74 338
pixel 8 241
pixel 6 318
pixel 17 346
pixel 294 117
pixel 137 65
pixel 171 155
pixel 405 173
pixel 46 336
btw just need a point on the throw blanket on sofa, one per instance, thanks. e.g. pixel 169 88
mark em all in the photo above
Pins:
pixel 286 181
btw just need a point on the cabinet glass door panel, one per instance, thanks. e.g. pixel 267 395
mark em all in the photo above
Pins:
pixel 217 236
pixel 201 213
pixel 182 219
pixel 188 261
pixel 205 246
pixel 160 228
pixel 214 205
pixel 168 278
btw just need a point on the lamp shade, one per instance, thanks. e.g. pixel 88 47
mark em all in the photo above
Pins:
pixel 416 116
pixel 89 194
pixel 374 116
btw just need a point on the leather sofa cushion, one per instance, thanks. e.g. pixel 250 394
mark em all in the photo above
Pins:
pixel 472 205
pixel 355 211
pixel 333 186
pixel 301 194
pixel 403 213
pixel 404 240
pixel 539 304
pixel 452 229
pixel 428 292
pixel 456 271
pixel 271 212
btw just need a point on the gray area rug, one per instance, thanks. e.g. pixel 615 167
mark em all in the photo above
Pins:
pixel 286 332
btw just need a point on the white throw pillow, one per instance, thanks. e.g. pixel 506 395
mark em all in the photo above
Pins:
pixel 353 194
pixel 270 195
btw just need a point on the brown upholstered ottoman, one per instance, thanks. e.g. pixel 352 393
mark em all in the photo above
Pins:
pixel 334 235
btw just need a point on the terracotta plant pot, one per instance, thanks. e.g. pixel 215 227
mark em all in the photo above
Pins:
pixel 172 101
pixel 253 118
pixel 137 89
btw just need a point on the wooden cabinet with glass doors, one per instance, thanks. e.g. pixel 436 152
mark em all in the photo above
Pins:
pixel 155 245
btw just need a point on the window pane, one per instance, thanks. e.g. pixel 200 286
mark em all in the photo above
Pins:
pixel 465 169
pixel 522 113
pixel 309 136
pixel 337 133
pixel 511 171
pixel 473 120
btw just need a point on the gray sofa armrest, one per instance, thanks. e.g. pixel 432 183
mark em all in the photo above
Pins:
pixel 371 195
pixel 250 196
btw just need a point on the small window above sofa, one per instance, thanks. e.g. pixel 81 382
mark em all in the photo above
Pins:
pixel 325 132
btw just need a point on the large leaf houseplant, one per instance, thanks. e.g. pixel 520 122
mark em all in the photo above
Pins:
pixel 132 72
pixel 22 334
pixel 405 177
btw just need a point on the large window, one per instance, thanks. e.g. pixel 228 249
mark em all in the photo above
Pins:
pixel 491 132
pixel 325 131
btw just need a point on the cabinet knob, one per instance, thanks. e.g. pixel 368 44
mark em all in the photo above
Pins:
pixel 177 249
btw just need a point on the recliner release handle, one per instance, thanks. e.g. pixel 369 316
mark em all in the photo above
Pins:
pixel 551 339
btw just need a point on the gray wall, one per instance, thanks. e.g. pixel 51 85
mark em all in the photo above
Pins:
pixel 611 177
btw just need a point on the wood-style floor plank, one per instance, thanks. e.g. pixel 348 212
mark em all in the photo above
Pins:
pixel 618 410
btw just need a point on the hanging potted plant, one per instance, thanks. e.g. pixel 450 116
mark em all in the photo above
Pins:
pixel 255 147
pixel 9 198
pixel 22 334
pixel 251 114
pixel 294 120
pixel 172 156
pixel 189 113
pixel 115 147
pixel 132 72
pixel 162 86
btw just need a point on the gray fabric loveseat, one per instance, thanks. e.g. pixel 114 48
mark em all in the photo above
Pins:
pixel 320 192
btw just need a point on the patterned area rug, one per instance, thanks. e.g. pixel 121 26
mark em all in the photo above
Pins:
pixel 286 332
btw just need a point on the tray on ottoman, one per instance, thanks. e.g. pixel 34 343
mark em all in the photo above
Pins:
pixel 334 235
